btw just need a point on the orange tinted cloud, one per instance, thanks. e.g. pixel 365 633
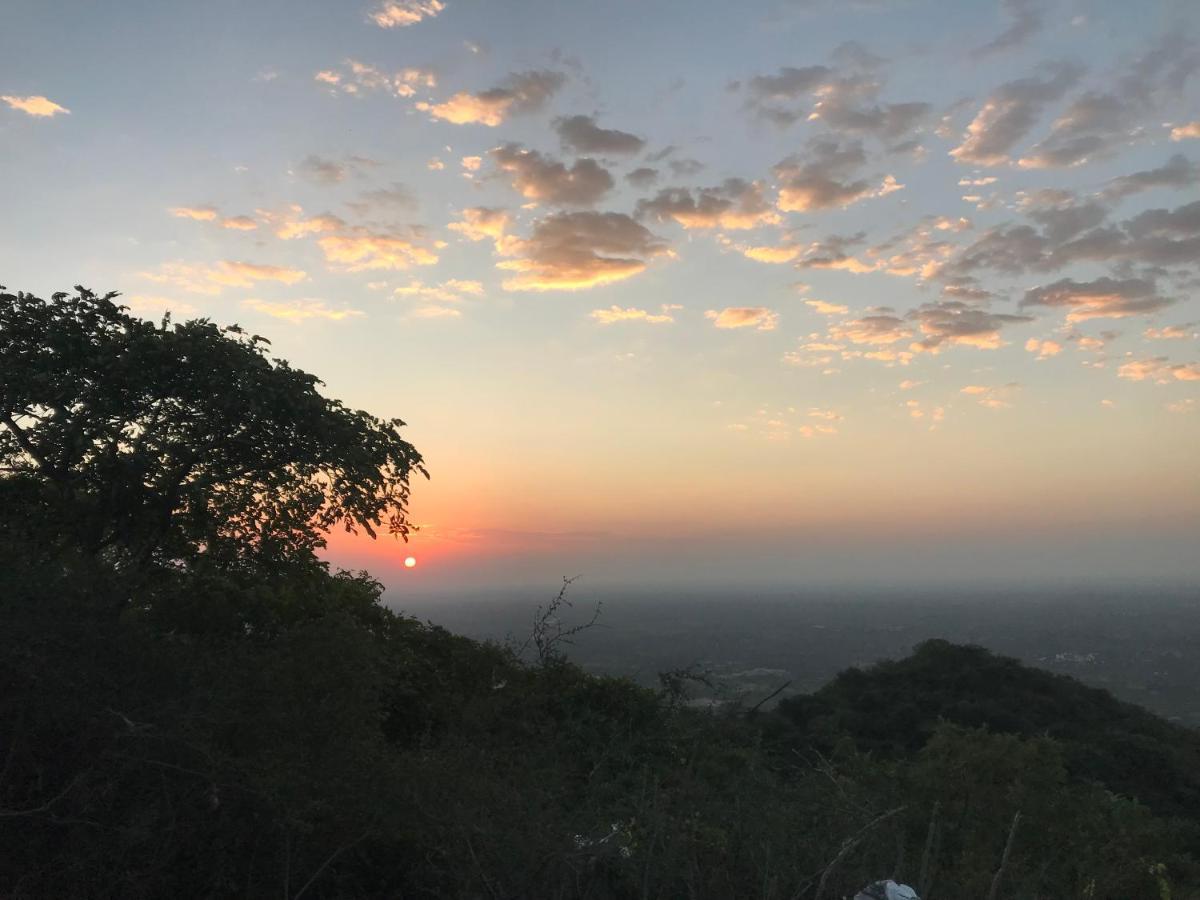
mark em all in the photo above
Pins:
pixel 579 250
pixel 200 279
pixel 359 249
pixel 199 213
pixel 1178 133
pixel 617 314
pixel 402 13
pixel 758 317
pixel 35 105
pixel 482 223
pixel 239 223
pixel 300 310
pixel 523 92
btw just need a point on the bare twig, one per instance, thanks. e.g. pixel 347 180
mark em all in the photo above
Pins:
pixel 927 855
pixel 1008 845
pixel 33 811
pixel 848 845
pixel 779 690
pixel 328 862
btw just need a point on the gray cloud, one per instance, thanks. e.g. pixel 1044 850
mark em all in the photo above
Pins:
pixel 1027 21
pixel 583 135
pixel 1176 172
pixel 1010 113
pixel 951 322
pixel 541 178
pixel 1103 298
pixel 642 177
pixel 578 250
pixel 734 204
pixel 825 177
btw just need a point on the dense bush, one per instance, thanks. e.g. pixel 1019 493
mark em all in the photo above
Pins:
pixel 194 709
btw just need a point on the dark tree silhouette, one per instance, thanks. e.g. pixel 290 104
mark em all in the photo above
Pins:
pixel 176 442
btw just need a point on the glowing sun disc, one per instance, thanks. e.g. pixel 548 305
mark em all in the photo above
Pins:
pixel 409 562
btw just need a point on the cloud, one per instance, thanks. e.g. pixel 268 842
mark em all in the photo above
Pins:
pixel 825 177
pixel 615 314
pixel 642 177
pixel 1185 331
pixel 300 310
pixel 402 13
pixel 878 330
pixel 384 200
pixel 1177 172
pixel 1159 370
pixel 1178 133
pixel 436 312
pixel 452 291
pixel 292 225
pixel 327 171
pixel 583 135
pixel 1010 113
pixel 758 317
pixel 734 204
pixel 358 78
pixel 1103 298
pixel 953 323
pixel 523 92
pixel 472 163
pixel 1043 348
pixel 578 250
pixel 1061 214
pixel 992 397
pixel 482 223
pixel 360 249
pixel 35 105
pixel 827 309
pixel 153 307
pixel 544 179
pixel 845 99
pixel 239 223
pixel 1100 121
pixel 198 213
pixel 201 279
pixel 1027 21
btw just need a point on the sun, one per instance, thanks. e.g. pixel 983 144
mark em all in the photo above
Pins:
pixel 410 562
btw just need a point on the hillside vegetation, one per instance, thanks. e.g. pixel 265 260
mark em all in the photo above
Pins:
pixel 192 705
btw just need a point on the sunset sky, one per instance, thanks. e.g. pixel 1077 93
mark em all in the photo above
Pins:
pixel 671 293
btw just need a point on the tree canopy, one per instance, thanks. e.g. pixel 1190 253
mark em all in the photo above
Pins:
pixel 181 442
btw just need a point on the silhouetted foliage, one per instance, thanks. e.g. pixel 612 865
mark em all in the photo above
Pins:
pixel 192 706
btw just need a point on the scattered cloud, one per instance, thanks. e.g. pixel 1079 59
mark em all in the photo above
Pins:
pixel 1178 133
pixel 1159 370
pixel 1027 21
pixel 297 311
pixel 953 323
pixel 523 92
pixel 827 309
pixel 734 204
pixel 481 223
pixel 826 177
pixel 1043 348
pixel 198 213
pixel 396 198
pixel 546 180
pixel 358 78
pixel 642 177
pixel 1186 331
pixel 583 135
pixel 1177 172
pixel 359 249
pixel 877 330
pixel 328 171
pixel 578 250
pixel 402 13
pixel 452 291
pixel 35 105
pixel 615 314
pixel 1010 113
pixel 992 397
pixel 211 279
pixel 239 223
pixel 1102 298
pixel 759 318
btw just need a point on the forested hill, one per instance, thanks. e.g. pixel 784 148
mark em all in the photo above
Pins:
pixel 193 705
pixel 894 707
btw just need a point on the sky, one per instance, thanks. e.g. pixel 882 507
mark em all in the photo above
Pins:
pixel 790 292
